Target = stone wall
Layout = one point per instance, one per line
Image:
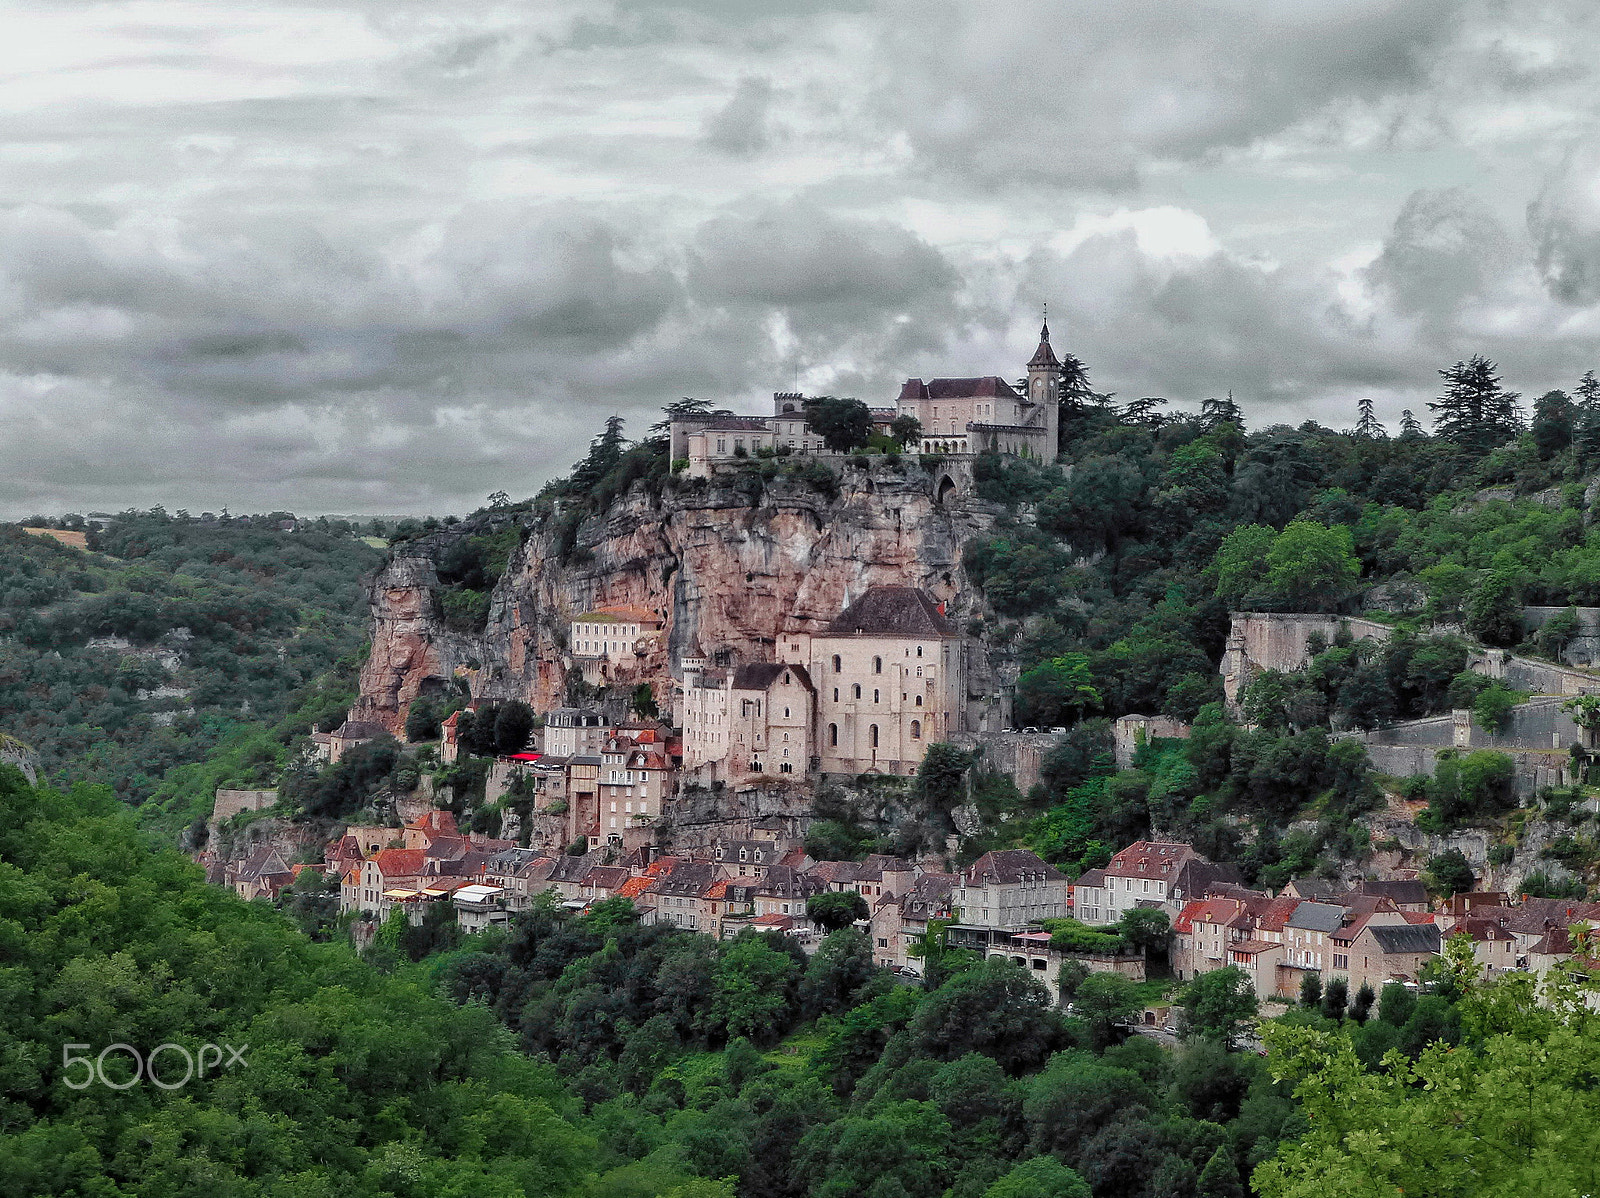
(1260, 641)
(1537, 736)
(1130, 731)
(1583, 649)
(1018, 754)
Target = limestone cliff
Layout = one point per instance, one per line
(728, 563)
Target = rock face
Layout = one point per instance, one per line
(728, 563)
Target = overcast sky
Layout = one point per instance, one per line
(390, 257)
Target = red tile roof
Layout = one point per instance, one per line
(399, 863)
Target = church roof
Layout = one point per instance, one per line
(893, 611)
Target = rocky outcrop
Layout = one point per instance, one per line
(728, 563)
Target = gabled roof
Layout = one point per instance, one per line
(1406, 937)
(1402, 891)
(1317, 917)
(1159, 859)
(633, 887)
(893, 611)
(399, 863)
(760, 675)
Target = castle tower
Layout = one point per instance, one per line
(1044, 387)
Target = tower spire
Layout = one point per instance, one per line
(1044, 355)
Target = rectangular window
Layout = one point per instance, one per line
(1341, 961)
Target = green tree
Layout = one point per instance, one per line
(1335, 998)
(1056, 691)
(1493, 706)
(422, 721)
(1509, 1111)
(1361, 1005)
(644, 702)
(752, 983)
(1312, 567)
(1219, 1004)
(1553, 423)
(1494, 608)
(906, 429)
(1102, 1001)
(513, 724)
(836, 909)
(1146, 929)
(942, 776)
(1039, 1177)
(1475, 412)
(843, 424)
(1240, 564)
(1450, 873)
(1220, 1177)
(996, 1009)
(1311, 991)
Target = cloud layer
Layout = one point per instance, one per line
(389, 258)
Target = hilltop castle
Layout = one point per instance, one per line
(960, 417)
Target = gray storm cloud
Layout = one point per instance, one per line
(383, 258)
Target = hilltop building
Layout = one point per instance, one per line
(959, 416)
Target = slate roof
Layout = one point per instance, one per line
(1411, 892)
(1317, 917)
(1150, 859)
(1093, 877)
(988, 387)
(360, 730)
(1406, 938)
(760, 675)
(1044, 355)
(1003, 866)
(893, 611)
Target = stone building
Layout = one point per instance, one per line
(611, 640)
(570, 731)
(754, 719)
(890, 680)
(1011, 888)
(988, 415)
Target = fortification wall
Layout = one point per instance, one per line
(1128, 732)
(1260, 641)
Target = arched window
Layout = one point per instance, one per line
(836, 663)
(877, 665)
(855, 691)
(916, 729)
(833, 734)
(875, 695)
(919, 700)
(919, 650)
(874, 730)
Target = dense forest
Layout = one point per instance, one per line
(171, 637)
(655, 1063)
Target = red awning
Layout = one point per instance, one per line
(526, 756)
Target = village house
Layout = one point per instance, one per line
(264, 874)
(702, 440)
(1308, 937)
(332, 746)
(1204, 932)
(520, 874)
(901, 920)
(683, 897)
(387, 874)
(1148, 873)
(1389, 952)
(633, 782)
(1494, 948)
(875, 876)
(1011, 888)
(573, 731)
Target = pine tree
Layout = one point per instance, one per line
(1220, 1177)
(1368, 426)
(1143, 411)
(1587, 433)
(1410, 427)
(1220, 411)
(604, 453)
(1475, 412)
